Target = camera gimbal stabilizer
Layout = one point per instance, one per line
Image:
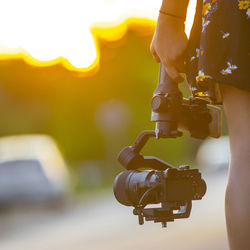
(173, 188)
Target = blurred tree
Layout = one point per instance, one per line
(64, 104)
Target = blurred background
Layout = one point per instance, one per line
(76, 80)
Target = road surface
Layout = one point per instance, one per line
(100, 223)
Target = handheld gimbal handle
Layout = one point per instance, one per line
(165, 104)
(165, 83)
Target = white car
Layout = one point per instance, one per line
(32, 170)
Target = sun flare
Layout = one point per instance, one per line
(46, 32)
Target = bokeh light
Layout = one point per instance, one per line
(46, 32)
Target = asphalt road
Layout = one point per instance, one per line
(100, 223)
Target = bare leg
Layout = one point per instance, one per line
(237, 203)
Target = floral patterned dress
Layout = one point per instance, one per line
(219, 45)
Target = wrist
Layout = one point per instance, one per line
(177, 8)
(172, 15)
(169, 20)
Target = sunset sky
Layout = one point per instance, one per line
(45, 31)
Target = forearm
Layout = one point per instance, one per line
(175, 7)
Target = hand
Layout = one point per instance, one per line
(169, 44)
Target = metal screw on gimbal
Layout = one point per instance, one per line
(140, 219)
(184, 167)
(157, 131)
(164, 224)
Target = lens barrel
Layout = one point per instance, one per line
(129, 186)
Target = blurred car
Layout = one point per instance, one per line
(32, 170)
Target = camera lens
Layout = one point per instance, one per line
(120, 188)
(129, 186)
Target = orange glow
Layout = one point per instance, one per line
(45, 33)
(24, 55)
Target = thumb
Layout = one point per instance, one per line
(173, 73)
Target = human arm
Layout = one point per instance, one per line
(170, 41)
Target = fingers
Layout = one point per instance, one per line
(173, 68)
(180, 66)
(180, 63)
(173, 72)
(154, 54)
(156, 58)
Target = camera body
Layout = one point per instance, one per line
(171, 185)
